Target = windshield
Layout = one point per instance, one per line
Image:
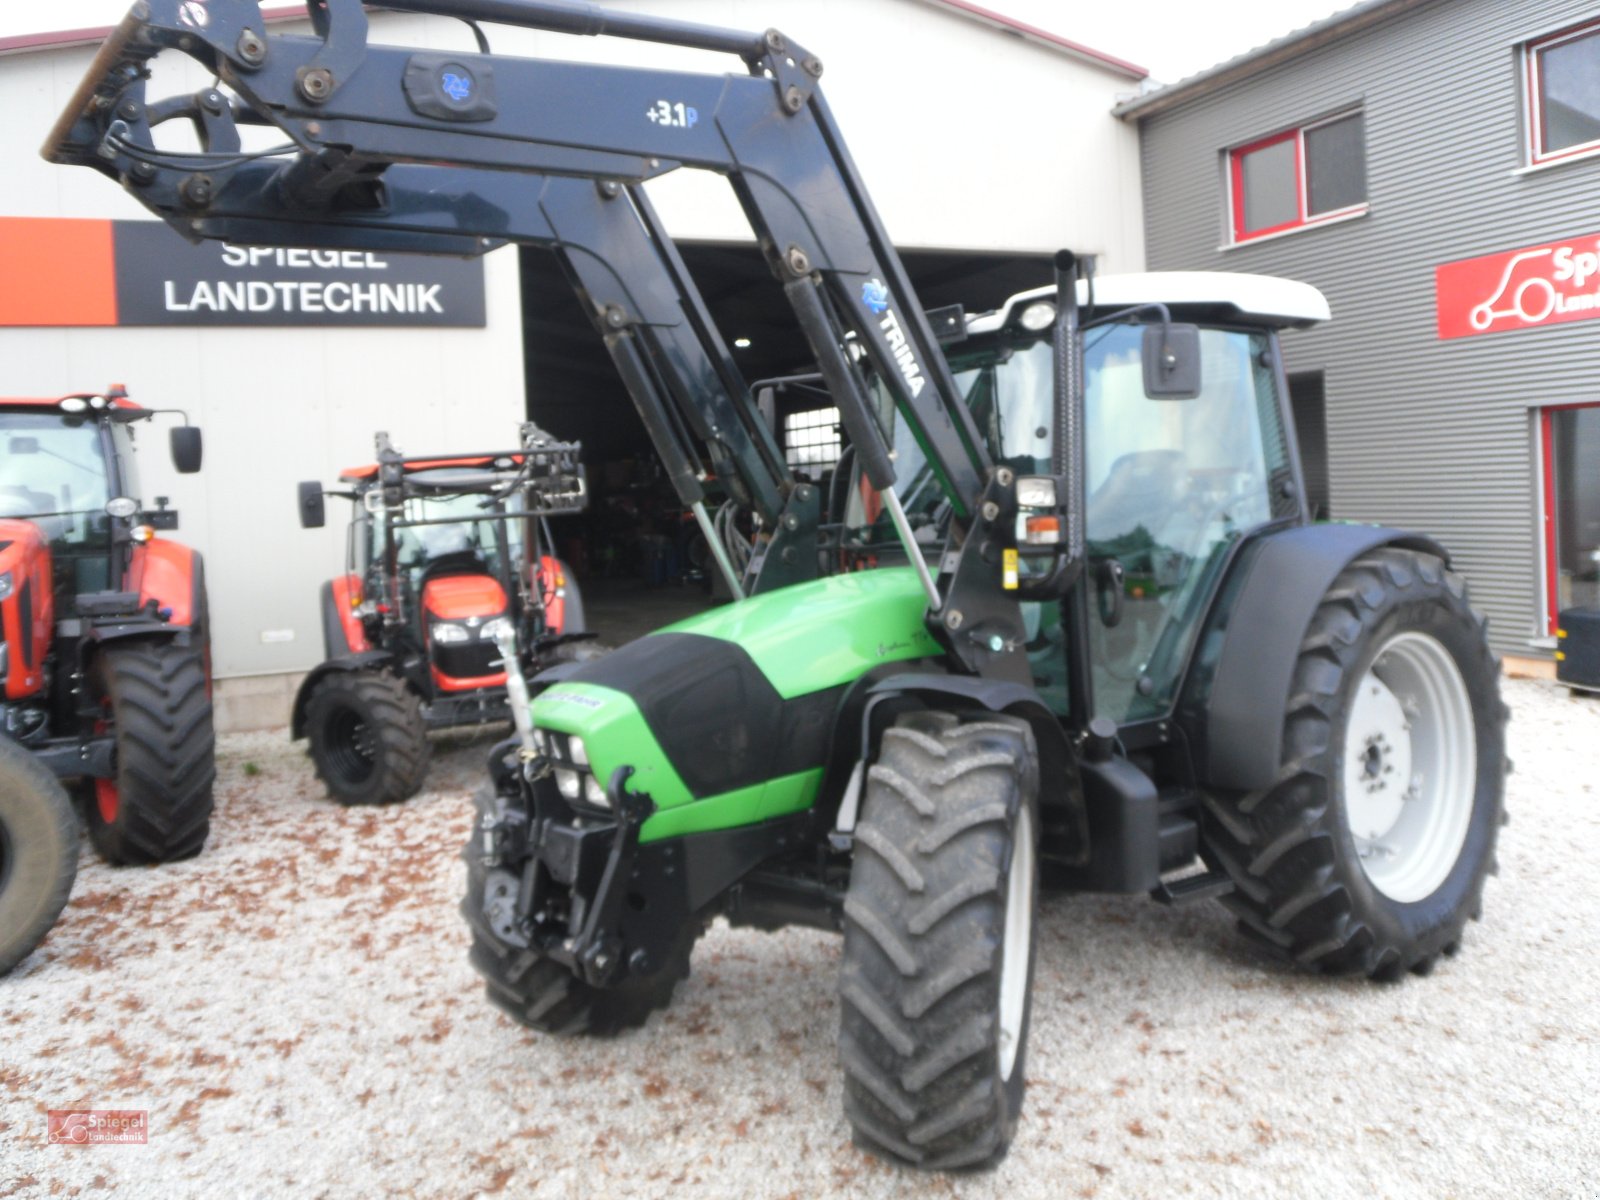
(53, 472)
(1170, 486)
(468, 536)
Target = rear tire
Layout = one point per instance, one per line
(1369, 854)
(369, 743)
(536, 991)
(157, 807)
(38, 852)
(937, 967)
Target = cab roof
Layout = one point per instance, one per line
(1191, 295)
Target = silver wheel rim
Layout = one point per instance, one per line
(1016, 943)
(1410, 767)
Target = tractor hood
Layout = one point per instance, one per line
(726, 718)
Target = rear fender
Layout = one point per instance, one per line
(369, 660)
(1238, 688)
(1061, 807)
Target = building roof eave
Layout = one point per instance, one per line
(1292, 45)
(1041, 37)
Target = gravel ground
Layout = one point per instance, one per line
(296, 1012)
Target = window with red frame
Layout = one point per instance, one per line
(1301, 177)
(1563, 74)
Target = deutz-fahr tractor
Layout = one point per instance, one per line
(445, 555)
(1102, 637)
(103, 654)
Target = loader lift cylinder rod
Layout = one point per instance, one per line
(718, 550)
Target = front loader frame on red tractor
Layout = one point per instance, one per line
(105, 681)
(445, 554)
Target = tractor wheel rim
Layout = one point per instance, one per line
(351, 746)
(1410, 755)
(1016, 944)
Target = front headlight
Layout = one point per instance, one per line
(491, 631)
(568, 782)
(7, 584)
(447, 633)
(579, 752)
(595, 794)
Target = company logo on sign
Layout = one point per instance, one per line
(457, 87)
(1519, 289)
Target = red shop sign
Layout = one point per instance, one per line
(1520, 289)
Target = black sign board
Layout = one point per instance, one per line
(161, 279)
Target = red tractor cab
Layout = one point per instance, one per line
(446, 557)
(104, 662)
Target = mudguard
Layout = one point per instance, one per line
(1060, 788)
(168, 573)
(342, 631)
(365, 661)
(1233, 705)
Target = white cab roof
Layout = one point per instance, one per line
(1254, 299)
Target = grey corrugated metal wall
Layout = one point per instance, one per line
(1430, 434)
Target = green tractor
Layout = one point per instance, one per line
(1101, 643)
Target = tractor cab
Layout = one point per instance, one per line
(68, 469)
(1172, 486)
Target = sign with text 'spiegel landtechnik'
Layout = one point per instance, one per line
(87, 273)
(1520, 289)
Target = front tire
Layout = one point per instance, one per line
(157, 807)
(534, 990)
(937, 968)
(1369, 854)
(369, 743)
(38, 852)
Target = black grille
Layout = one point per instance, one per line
(467, 660)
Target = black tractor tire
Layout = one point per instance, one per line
(1296, 861)
(38, 852)
(945, 852)
(157, 807)
(369, 743)
(535, 990)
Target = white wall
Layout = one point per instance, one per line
(968, 138)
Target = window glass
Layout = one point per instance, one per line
(1171, 485)
(1271, 190)
(54, 472)
(1576, 452)
(811, 440)
(1336, 173)
(1569, 93)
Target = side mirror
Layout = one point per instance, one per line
(1171, 362)
(313, 514)
(186, 448)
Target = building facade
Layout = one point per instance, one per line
(940, 100)
(1432, 166)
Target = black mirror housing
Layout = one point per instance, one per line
(186, 448)
(313, 513)
(1171, 355)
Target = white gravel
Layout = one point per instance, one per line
(295, 1010)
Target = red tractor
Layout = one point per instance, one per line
(104, 656)
(448, 563)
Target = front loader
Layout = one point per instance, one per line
(1102, 637)
(104, 656)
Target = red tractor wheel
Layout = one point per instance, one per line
(157, 806)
